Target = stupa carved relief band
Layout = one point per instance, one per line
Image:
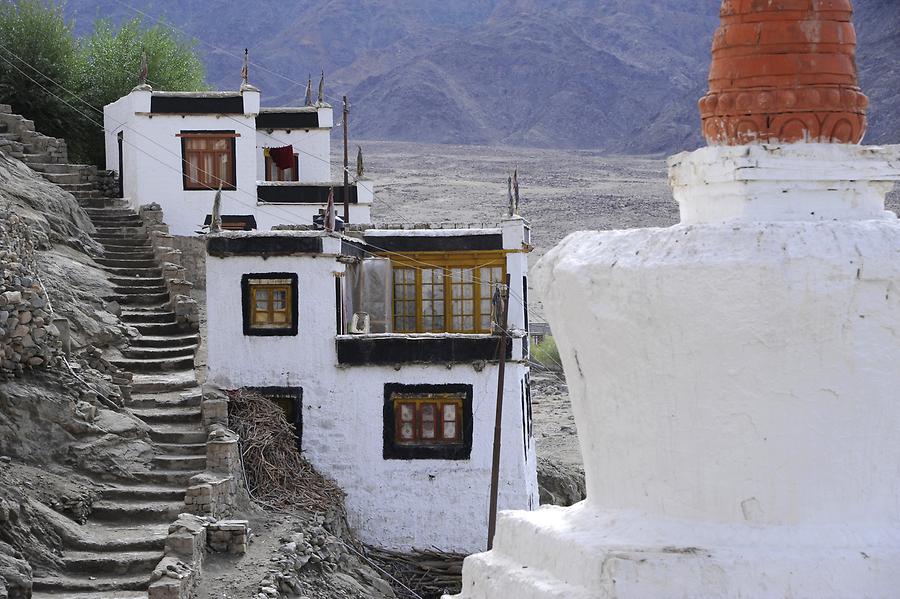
(784, 71)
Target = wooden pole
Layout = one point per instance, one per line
(346, 167)
(498, 420)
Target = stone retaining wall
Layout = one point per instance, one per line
(29, 141)
(28, 337)
(186, 308)
(219, 491)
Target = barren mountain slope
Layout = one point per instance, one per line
(611, 75)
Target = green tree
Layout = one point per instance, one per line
(111, 59)
(39, 52)
(38, 48)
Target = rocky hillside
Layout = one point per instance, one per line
(615, 75)
(58, 414)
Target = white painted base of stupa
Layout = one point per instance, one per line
(736, 385)
(584, 553)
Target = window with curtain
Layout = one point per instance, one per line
(208, 159)
(427, 421)
(273, 173)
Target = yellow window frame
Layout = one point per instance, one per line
(447, 261)
(270, 311)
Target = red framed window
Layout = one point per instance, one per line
(208, 159)
(428, 419)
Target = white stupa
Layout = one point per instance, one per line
(735, 378)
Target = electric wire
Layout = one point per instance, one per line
(258, 201)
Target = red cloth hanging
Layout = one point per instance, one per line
(282, 157)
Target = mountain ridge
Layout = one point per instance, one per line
(619, 76)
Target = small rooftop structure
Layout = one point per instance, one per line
(177, 148)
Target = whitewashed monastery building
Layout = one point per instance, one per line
(380, 343)
(399, 413)
(176, 148)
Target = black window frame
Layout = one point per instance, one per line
(252, 331)
(457, 451)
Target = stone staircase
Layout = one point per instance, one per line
(125, 536)
(127, 529)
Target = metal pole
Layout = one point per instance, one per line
(346, 167)
(498, 421)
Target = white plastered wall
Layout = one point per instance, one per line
(312, 146)
(391, 503)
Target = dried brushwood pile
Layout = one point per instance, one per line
(276, 473)
(430, 574)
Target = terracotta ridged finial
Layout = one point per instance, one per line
(784, 71)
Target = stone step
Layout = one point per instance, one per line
(151, 353)
(69, 584)
(39, 157)
(143, 291)
(107, 222)
(111, 564)
(138, 254)
(66, 594)
(164, 307)
(102, 203)
(128, 249)
(183, 449)
(145, 299)
(13, 148)
(174, 399)
(119, 263)
(147, 316)
(180, 462)
(99, 216)
(86, 195)
(158, 329)
(145, 493)
(138, 232)
(111, 212)
(171, 477)
(160, 341)
(151, 365)
(138, 281)
(181, 435)
(131, 511)
(103, 538)
(51, 167)
(76, 186)
(134, 272)
(170, 381)
(59, 178)
(151, 416)
(122, 242)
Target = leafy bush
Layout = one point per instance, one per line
(38, 48)
(546, 354)
(83, 75)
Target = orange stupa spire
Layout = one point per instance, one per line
(784, 71)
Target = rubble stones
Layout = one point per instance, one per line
(26, 340)
(228, 536)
